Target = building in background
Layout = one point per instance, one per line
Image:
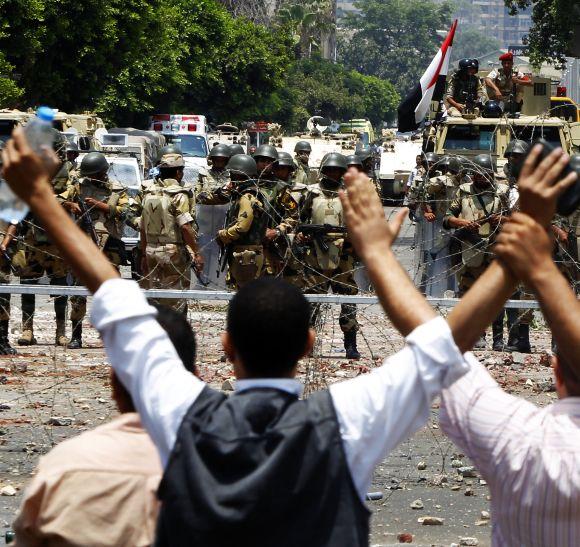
(492, 18)
(343, 7)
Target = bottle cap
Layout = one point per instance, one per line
(45, 113)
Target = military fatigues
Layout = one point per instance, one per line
(5, 272)
(35, 257)
(504, 83)
(471, 203)
(333, 268)
(166, 209)
(107, 226)
(273, 258)
(302, 172)
(566, 255)
(459, 88)
(246, 225)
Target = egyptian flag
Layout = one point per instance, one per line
(415, 107)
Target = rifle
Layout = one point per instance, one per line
(317, 231)
(86, 222)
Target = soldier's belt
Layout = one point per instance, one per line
(162, 241)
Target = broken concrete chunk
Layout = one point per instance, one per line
(430, 521)
(417, 504)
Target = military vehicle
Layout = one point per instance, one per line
(476, 133)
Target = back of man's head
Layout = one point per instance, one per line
(568, 375)
(268, 323)
(183, 339)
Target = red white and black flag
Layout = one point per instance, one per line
(431, 87)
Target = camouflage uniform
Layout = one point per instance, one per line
(566, 255)
(272, 190)
(107, 227)
(335, 268)
(166, 209)
(5, 272)
(247, 221)
(302, 172)
(211, 180)
(458, 88)
(504, 83)
(471, 203)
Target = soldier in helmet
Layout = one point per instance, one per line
(37, 256)
(217, 176)
(7, 235)
(476, 213)
(235, 149)
(506, 84)
(246, 223)
(167, 227)
(415, 198)
(72, 154)
(100, 206)
(278, 238)
(464, 87)
(354, 161)
(329, 260)
(367, 156)
(302, 152)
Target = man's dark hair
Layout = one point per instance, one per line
(180, 333)
(569, 375)
(268, 321)
(169, 172)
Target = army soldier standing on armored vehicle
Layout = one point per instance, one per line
(476, 213)
(464, 88)
(329, 259)
(100, 206)
(246, 223)
(302, 152)
(167, 226)
(37, 256)
(506, 84)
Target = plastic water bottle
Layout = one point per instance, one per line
(40, 136)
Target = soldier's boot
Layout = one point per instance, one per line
(60, 338)
(497, 334)
(27, 335)
(523, 345)
(76, 340)
(5, 347)
(350, 345)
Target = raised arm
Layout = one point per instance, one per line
(30, 180)
(372, 237)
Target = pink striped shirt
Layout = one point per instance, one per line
(529, 456)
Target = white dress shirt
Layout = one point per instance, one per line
(375, 411)
(529, 456)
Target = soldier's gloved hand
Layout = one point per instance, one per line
(540, 185)
(368, 230)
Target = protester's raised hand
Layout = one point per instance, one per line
(368, 229)
(26, 173)
(540, 186)
(525, 246)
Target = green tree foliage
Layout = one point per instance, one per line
(319, 87)
(123, 57)
(394, 39)
(470, 42)
(9, 90)
(552, 27)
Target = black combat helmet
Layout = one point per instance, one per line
(474, 63)
(169, 149)
(453, 164)
(492, 109)
(266, 151)
(431, 158)
(242, 164)
(353, 160)
(94, 163)
(220, 151)
(302, 146)
(516, 146)
(285, 160)
(464, 64)
(483, 163)
(72, 147)
(236, 149)
(334, 159)
(59, 143)
(364, 153)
